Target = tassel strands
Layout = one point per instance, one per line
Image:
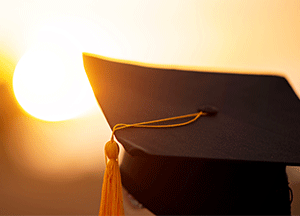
(112, 197)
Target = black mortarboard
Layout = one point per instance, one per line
(216, 164)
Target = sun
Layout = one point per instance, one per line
(49, 80)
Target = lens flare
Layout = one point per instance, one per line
(49, 80)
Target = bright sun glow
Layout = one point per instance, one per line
(49, 80)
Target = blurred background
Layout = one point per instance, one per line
(52, 132)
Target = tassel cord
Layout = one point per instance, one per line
(148, 123)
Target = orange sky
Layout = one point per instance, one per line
(252, 35)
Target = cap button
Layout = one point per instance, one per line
(210, 110)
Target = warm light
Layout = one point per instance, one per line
(49, 80)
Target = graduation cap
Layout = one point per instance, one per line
(230, 161)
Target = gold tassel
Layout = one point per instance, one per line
(112, 197)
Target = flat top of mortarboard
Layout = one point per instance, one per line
(258, 116)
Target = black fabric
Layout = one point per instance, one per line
(232, 162)
(258, 116)
(181, 186)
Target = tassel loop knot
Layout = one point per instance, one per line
(111, 150)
